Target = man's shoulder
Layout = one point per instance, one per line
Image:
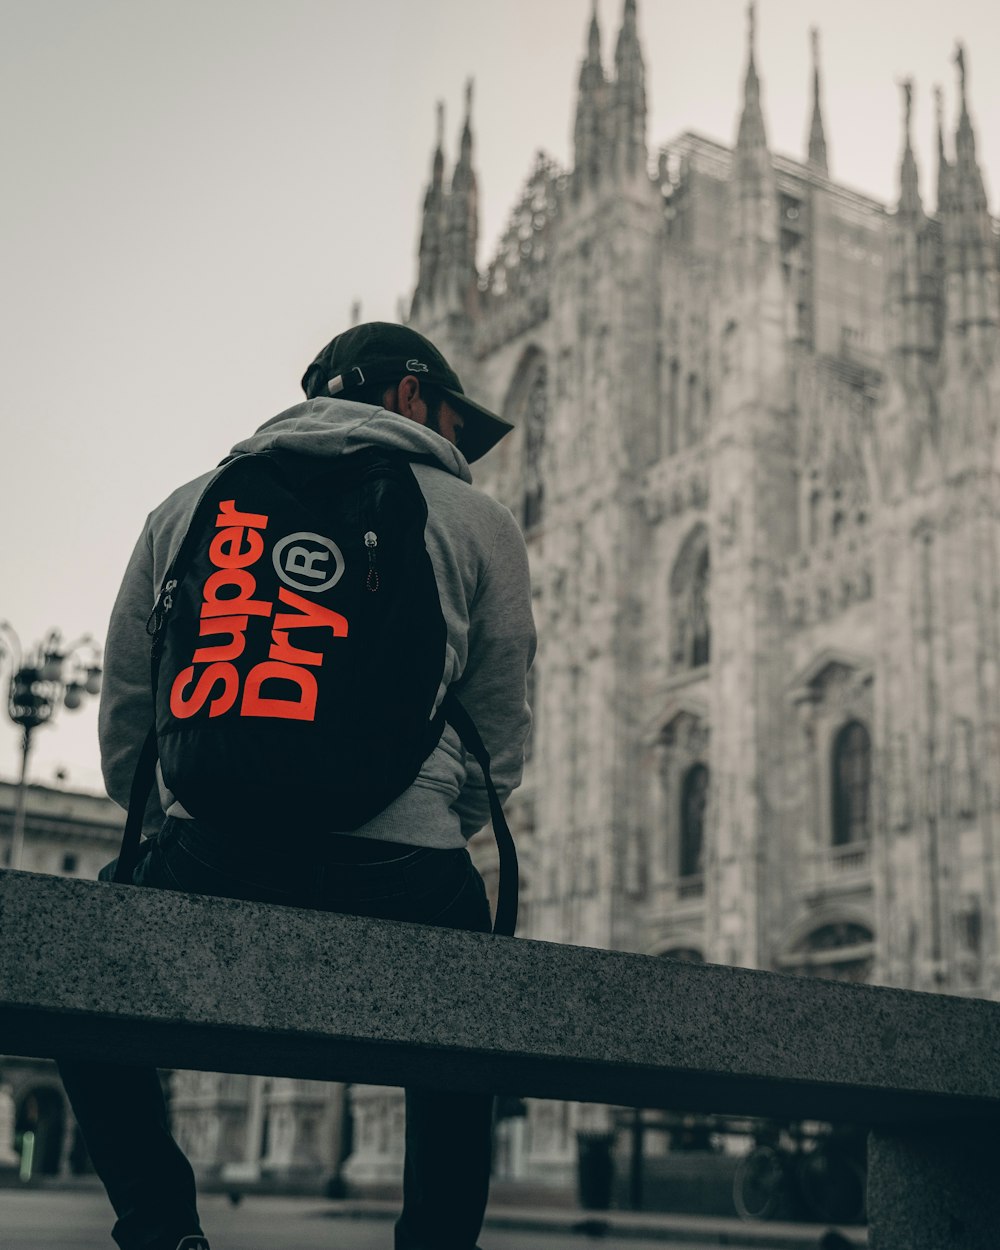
(181, 501)
(450, 500)
(438, 484)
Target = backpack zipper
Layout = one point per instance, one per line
(371, 542)
(164, 602)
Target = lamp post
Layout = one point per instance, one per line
(55, 674)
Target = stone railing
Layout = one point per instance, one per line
(187, 981)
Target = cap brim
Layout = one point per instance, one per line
(482, 429)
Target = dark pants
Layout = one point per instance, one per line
(121, 1110)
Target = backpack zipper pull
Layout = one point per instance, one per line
(371, 542)
(164, 602)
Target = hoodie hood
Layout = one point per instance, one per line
(338, 427)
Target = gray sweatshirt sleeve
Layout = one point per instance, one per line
(126, 709)
(493, 686)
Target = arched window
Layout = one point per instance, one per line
(683, 955)
(840, 950)
(851, 785)
(694, 800)
(700, 630)
(534, 446)
(691, 411)
(690, 620)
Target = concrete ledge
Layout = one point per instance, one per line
(102, 971)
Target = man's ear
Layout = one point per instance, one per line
(408, 400)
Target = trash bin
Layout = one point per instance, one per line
(595, 1169)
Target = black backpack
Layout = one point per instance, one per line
(298, 647)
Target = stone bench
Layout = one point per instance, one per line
(91, 969)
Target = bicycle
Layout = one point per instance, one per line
(795, 1173)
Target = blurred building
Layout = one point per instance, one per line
(70, 834)
(301, 1126)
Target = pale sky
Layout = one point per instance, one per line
(195, 192)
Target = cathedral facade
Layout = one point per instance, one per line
(756, 464)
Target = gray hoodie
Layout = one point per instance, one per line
(481, 567)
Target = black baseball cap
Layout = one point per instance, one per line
(381, 351)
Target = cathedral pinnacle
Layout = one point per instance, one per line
(751, 132)
(909, 190)
(466, 152)
(754, 222)
(960, 62)
(751, 41)
(629, 96)
(432, 226)
(594, 38)
(817, 139)
(965, 139)
(943, 166)
(968, 226)
(590, 130)
(437, 175)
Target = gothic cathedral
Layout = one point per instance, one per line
(756, 465)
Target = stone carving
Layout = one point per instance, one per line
(699, 491)
(729, 520)
(515, 286)
(636, 865)
(962, 788)
(898, 784)
(990, 756)
(785, 784)
(687, 736)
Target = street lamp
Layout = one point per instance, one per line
(54, 674)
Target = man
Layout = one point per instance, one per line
(383, 386)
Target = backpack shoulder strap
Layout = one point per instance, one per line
(142, 784)
(506, 918)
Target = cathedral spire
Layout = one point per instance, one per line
(965, 135)
(913, 278)
(752, 134)
(943, 165)
(437, 176)
(753, 194)
(973, 228)
(463, 223)
(909, 189)
(465, 153)
(817, 138)
(629, 96)
(594, 37)
(589, 131)
(432, 225)
(970, 255)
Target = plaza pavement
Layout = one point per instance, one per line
(80, 1218)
